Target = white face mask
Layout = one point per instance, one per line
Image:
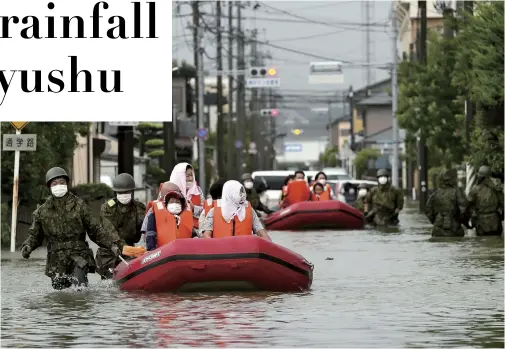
(362, 192)
(174, 208)
(59, 190)
(383, 180)
(189, 184)
(322, 181)
(124, 198)
(248, 185)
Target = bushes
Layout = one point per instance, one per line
(363, 158)
(93, 192)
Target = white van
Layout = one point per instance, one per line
(275, 182)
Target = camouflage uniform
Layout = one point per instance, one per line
(486, 202)
(253, 197)
(359, 204)
(447, 207)
(64, 223)
(118, 219)
(383, 201)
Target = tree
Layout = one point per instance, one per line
(329, 157)
(56, 142)
(362, 159)
(151, 142)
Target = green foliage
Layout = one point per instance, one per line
(362, 159)
(151, 139)
(56, 142)
(154, 143)
(93, 191)
(329, 157)
(156, 153)
(487, 146)
(150, 126)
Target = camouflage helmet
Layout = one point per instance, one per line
(123, 182)
(484, 172)
(382, 173)
(362, 186)
(246, 176)
(54, 173)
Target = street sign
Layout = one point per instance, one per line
(238, 144)
(266, 82)
(203, 133)
(19, 125)
(292, 148)
(19, 142)
(124, 123)
(326, 73)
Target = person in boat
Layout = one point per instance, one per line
(215, 191)
(297, 191)
(287, 180)
(319, 193)
(359, 204)
(164, 189)
(183, 175)
(170, 219)
(384, 202)
(63, 220)
(486, 204)
(447, 207)
(122, 215)
(322, 178)
(252, 195)
(233, 215)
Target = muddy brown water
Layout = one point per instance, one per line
(371, 288)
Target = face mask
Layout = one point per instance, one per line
(322, 181)
(189, 184)
(174, 208)
(124, 198)
(383, 180)
(248, 185)
(362, 192)
(59, 190)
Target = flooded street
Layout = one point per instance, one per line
(371, 289)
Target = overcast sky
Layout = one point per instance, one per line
(333, 30)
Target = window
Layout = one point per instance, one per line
(273, 182)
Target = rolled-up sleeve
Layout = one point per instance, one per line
(208, 223)
(256, 223)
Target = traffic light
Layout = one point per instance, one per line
(269, 112)
(262, 72)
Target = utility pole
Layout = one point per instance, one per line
(220, 117)
(196, 24)
(330, 132)
(200, 75)
(240, 125)
(125, 149)
(394, 89)
(423, 150)
(169, 144)
(351, 117)
(231, 144)
(254, 121)
(469, 108)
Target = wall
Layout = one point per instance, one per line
(80, 162)
(378, 118)
(344, 129)
(310, 152)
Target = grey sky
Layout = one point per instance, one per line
(293, 25)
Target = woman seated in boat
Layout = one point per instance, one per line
(297, 191)
(164, 189)
(287, 180)
(233, 215)
(184, 176)
(216, 191)
(169, 219)
(322, 178)
(319, 193)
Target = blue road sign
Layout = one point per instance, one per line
(292, 148)
(203, 133)
(238, 144)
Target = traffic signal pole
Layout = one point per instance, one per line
(201, 76)
(240, 125)
(423, 149)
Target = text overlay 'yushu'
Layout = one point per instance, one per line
(86, 60)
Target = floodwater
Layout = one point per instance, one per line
(396, 288)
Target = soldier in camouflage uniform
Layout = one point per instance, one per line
(447, 207)
(252, 196)
(384, 202)
(359, 204)
(63, 220)
(122, 215)
(486, 204)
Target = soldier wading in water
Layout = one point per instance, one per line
(121, 216)
(385, 202)
(63, 220)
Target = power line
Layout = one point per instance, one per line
(297, 38)
(336, 3)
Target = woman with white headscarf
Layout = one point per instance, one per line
(233, 215)
(183, 175)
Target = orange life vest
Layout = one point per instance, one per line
(298, 191)
(166, 224)
(223, 229)
(325, 195)
(207, 205)
(195, 200)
